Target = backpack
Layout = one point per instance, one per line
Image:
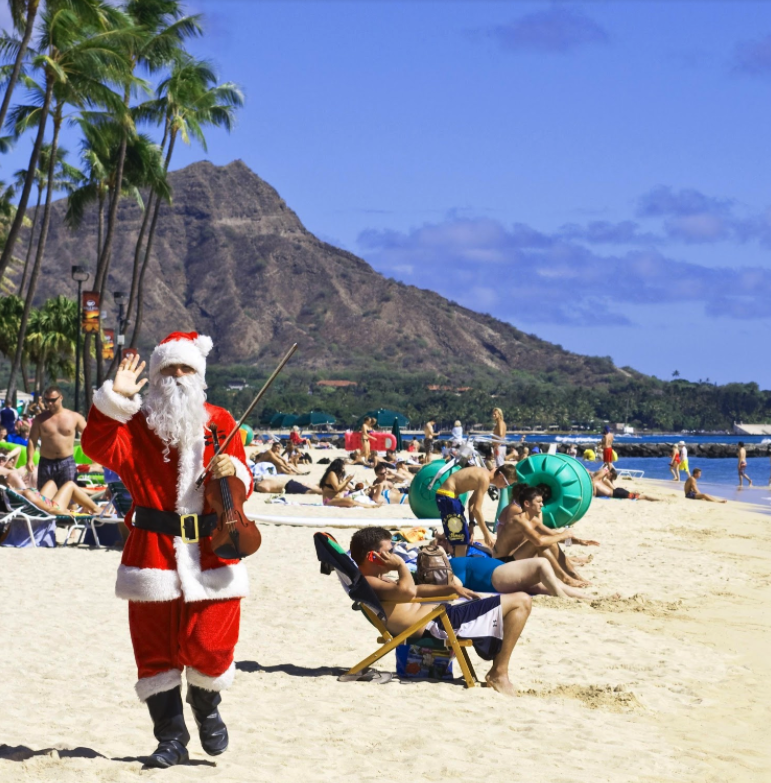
(433, 566)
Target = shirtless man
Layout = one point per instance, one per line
(499, 437)
(457, 529)
(494, 624)
(522, 534)
(742, 455)
(428, 439)
(55, 429)
(273, 456)
(606, 445)
(602, 482)
(277, 484)
(692, 489)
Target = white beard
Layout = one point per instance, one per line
(175, 411)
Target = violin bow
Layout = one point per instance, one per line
(260, 395)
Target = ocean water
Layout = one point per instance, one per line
(719, 476)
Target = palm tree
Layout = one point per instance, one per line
(51, 337)
(23, 13)
(11, 309)
(71, 32)
(188, 100)
(83, 56)
(7, 215)
(65, 177)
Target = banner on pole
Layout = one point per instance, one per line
(90, 304)
(108, 344)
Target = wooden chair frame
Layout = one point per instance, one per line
(389, 642)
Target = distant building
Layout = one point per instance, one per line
(433, 387)
(237, 385)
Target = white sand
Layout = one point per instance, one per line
(669, 683)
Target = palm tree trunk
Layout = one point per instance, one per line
(31, 241)
(150, 237)
(39, 371)
(100, 226)
(32, 6)
(38, 258)
(24, 379)
(13, 234)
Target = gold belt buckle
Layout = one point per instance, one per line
(182, 519)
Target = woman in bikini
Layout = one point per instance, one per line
(334, 487)
(58, 501)
(366, 428)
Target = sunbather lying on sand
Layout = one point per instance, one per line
(522, 535)
(494, 624)
(602, 481)
(278, 484)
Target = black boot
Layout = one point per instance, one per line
(211, 728)
(169, 729)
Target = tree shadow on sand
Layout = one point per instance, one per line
(23, 753)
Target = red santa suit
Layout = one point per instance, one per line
(184, 600)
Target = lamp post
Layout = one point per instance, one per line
(120, 299)
(80, 274)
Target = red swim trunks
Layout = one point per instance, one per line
(607, 454)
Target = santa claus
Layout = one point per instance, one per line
(184, 600)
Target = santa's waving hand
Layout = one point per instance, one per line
(184, 600)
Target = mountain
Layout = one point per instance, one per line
(232, 260)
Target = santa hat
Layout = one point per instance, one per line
(188, 348)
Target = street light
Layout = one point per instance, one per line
(80, 274)
(120, 298)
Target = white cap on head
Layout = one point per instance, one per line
(188, 348)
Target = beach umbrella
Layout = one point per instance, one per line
(397, 433)
(314, 419)
(384, 418)
(282, 420)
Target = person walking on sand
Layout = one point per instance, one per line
(499, 437)
(606, 446)
(366, 428)
(428, 438)
(742, 457)
(683, 454)
(674, 463)
(55, 428)
(184, 600)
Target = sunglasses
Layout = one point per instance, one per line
(49, 400)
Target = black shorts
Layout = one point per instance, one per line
(60, 471)
(293, 487)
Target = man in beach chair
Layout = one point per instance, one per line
(493, 624)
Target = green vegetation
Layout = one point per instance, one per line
(528, 400)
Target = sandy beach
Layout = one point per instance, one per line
(668, 682)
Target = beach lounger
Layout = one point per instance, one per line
(629, 473)
(114, 513)
(25, 512)
(334, 558)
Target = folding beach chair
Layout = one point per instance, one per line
(334, 558)
(114, 513)
(23, 511)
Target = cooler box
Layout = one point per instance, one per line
(421, 661)
(378, 441)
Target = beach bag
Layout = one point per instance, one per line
(433, 567)
(423, 662)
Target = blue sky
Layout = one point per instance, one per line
(592, 172)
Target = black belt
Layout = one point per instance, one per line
(190, 527)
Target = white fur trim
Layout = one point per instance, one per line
(190, 499)
(225, 680)
(231, 581)
(115, 405)
(190, 352)
(165, 681)
(147, 584)
(243, 473)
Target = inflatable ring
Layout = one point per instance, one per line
(247, 434)
(80, 456)
(589, 455)
(422, 499)
(569, 484)
(21, 462)
(615, 456)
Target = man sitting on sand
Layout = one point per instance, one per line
(522, 535)
(692, 489)
(273, 456)
(459, 531)
(493, 624)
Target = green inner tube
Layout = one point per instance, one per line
(569, 487)
(422, 499)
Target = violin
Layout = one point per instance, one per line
(236, 536)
